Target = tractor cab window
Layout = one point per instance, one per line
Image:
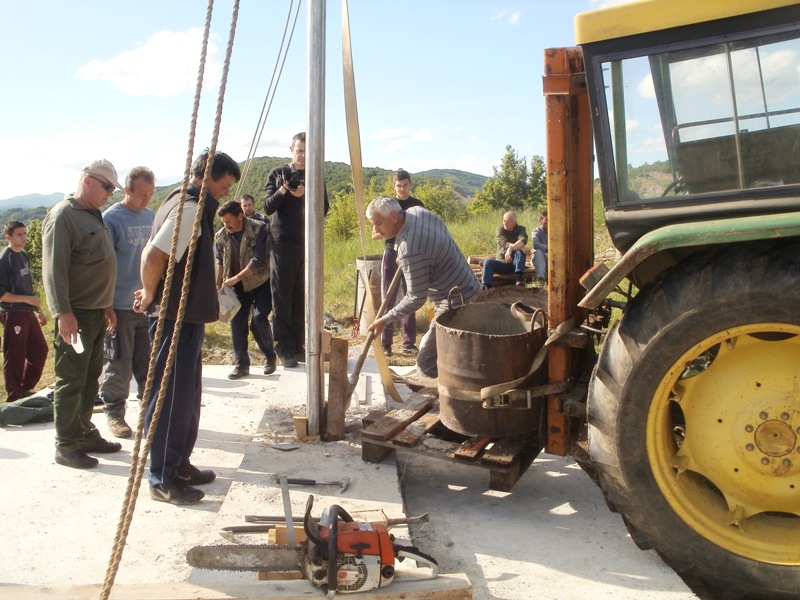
(706, 120)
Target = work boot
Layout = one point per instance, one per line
(239, 372)
(99, 445)
(119, 428)
(77, 460)
(176, 492)
(271, 365)
(191, 475)
(289, 362)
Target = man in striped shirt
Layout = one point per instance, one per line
(432, 265)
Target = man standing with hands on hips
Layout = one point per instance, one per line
(79, 270)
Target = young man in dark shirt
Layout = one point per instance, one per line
(19, 309)
(402, 192)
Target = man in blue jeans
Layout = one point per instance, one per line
(172, 475)
(511, 251)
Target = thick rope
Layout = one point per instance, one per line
(277, 71)
(138, 461)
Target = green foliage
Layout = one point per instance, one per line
(34, 250)
(513, 186)
(440, 198)
(342, 221)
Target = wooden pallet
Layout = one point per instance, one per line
(420, 431)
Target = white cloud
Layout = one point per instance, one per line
(165, 66)
(512, 18)
(400, 139)
(646, 88)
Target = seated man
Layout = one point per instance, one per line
(540, 247)
(511, 251)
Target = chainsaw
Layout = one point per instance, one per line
(340, 554)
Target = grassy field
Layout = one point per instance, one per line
(474, 236)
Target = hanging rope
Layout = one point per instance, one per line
(262, 119)
(139, 459)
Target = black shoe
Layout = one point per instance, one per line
(412, 351)
(191, 475)
(77, 460)
(289, 362)
(98, 401)
(176, 492)
(387, 351)
(301, 356)
(239, 372)
(99, 445)
(271, 365)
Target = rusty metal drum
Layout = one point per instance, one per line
(481, 345)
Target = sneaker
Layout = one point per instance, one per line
(77, 460)
(100, 446)
(119, 428)
(176, 492)
(239, 372)
(289, 362)
(191, 475)
(301, 356)
(271, 365)
(412, 351)
(520, 283)
(98, 401)
(387, 351)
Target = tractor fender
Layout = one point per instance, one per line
(688, 235)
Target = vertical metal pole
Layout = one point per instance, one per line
(315, 214)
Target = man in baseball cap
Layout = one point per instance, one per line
(103, 168)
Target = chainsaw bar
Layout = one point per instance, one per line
(242, 557)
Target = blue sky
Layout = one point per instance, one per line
(440, 84)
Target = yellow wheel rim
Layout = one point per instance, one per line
(723, 440)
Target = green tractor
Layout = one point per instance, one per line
(693, 403)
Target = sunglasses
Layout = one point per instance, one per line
(109, 187)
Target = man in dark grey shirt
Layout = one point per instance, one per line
(19, 308)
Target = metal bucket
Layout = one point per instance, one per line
(480, 345)
(368, 268)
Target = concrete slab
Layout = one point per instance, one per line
(552, 537)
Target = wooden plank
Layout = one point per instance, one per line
(411, 435)
(394, 421)
(338, 399)
(504, 451)
(472, 447)
(451, 586)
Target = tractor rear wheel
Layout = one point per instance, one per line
(694, 421)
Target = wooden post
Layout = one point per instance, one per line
(337, 391)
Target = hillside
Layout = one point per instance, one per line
(337, 178)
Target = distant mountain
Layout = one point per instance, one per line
(31, 201)
(337, 177)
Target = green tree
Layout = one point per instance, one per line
(34, 250)
(441, 199)
(537, 182)
(512, 186)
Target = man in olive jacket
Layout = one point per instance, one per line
(79, 271)
(243, 264)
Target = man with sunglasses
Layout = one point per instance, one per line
(79, 271)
